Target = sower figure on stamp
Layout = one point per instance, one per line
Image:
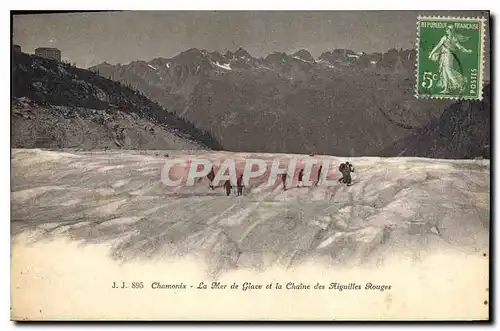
(346, 169)
(445, 53)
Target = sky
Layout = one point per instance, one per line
(88, 39)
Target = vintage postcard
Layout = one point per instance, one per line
(250, 165)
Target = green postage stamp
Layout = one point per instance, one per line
(450, 57)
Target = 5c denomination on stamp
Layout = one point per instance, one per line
(450, 57)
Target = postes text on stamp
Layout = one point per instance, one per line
(450, 57)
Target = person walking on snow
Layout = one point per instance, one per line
(346, 169)
(319, 175)
(228, 187)
(301, 174)
(239, 185)
(283, 179)
(211, 176)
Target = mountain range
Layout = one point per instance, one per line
(342, 103)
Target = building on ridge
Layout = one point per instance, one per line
(48, 53)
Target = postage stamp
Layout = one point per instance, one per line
(450, 57)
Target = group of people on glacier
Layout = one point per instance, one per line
(345, 169)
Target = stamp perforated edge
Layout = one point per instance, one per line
(482, 60)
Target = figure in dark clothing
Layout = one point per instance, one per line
(283, 179)
(211, 176)
(301, 175)
(228, 187)
(240, 185)
(319, 175)
(346, 169)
